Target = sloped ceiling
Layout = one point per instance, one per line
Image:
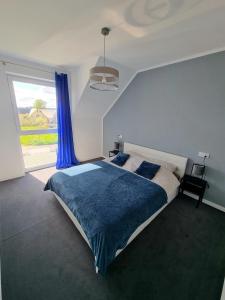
(144, 32)
(89, 107)
(94, 103)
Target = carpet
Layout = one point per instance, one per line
(180, 255)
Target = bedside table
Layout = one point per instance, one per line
(194, 185)
(113, 153)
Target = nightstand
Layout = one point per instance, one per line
(113, 153)
(194, 185)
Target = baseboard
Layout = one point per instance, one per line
(207, 202)
(9, 178)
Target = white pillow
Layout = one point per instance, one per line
(133, 163)
(167, 165)
(167, 180)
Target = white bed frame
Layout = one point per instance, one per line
(179, 161)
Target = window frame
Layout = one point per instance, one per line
(20, 132)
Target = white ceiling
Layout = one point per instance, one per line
(144, 33)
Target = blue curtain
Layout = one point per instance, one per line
(65, 155)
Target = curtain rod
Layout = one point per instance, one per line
(4, 62)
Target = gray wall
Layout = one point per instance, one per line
(179, 109)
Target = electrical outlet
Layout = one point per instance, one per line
(203, 154)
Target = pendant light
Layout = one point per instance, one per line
(104, 78)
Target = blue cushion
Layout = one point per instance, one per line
(147, 169)
(120, 159)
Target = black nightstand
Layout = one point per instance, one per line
(113, 153)
(194, 185)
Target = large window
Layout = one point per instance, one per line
(37, 121)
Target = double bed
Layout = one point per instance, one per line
(110, 205)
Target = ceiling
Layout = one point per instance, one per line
(144, 33)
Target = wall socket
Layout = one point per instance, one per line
(203, 154)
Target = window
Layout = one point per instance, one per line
(37, 121)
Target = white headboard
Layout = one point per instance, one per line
(179, 161)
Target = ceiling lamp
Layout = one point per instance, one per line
(104, 78)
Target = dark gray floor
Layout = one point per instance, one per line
(180, 255)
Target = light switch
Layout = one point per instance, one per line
(203, 154)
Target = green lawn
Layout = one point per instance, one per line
(33, 127)
(39, 139)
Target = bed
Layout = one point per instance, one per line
(111, 205)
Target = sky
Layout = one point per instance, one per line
(27, 93)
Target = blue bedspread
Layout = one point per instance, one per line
(109, 203)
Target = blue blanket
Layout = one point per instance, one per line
(108, 202)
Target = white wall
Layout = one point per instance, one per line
(89, 106)
(11, 163)
(87, 132)
(87, 110)
(11, 160)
